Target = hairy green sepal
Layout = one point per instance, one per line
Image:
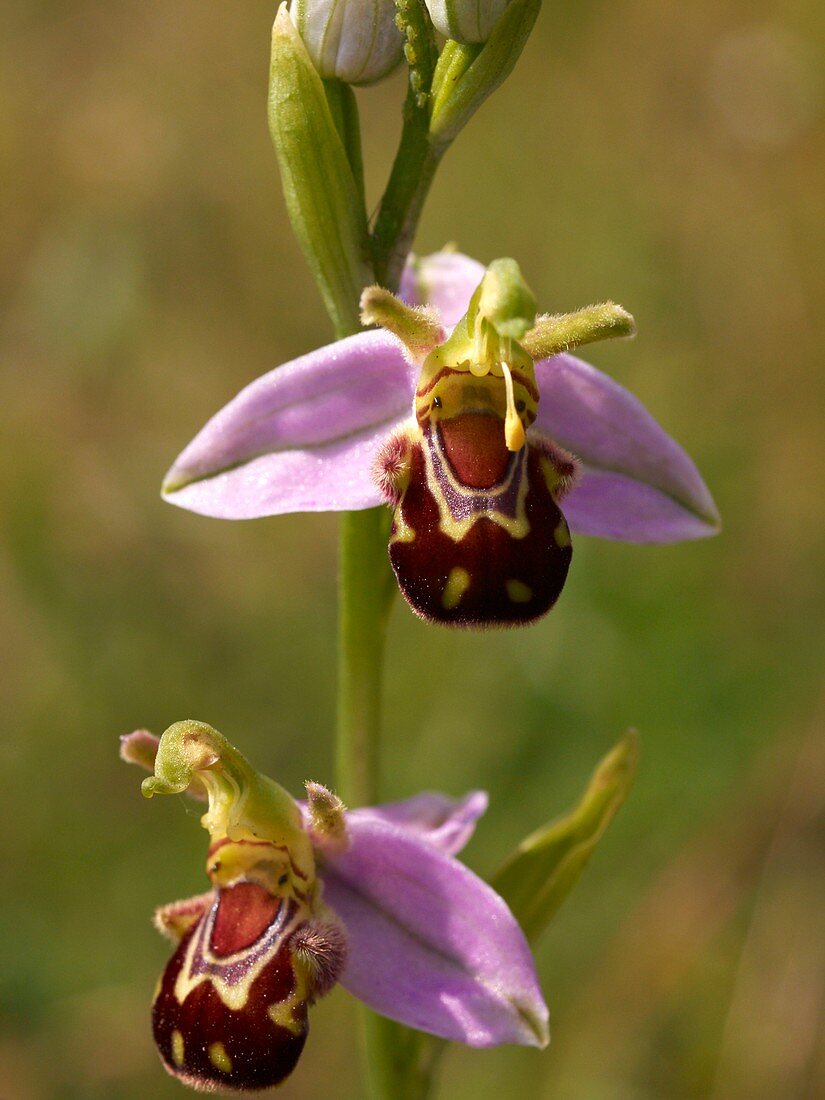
(565, 331)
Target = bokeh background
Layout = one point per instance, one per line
(667, 155)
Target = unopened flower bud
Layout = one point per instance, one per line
(356, 41)
(465, 20)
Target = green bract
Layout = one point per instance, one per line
(546, 866)
(467, 74)
(322, 196)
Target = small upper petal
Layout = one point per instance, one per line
(448, 823)
(139, 747)
(637, 483)
(431, 945)
(300, 438)
(446, 280)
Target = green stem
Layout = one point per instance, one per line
(402, 1062)
(366, 588)
(365, 591)
(397, 1061)
(412, 174)
(417, 158)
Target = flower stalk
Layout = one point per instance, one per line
(417, 158)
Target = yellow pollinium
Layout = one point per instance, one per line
(514, 434)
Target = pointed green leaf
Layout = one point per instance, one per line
(545, 867)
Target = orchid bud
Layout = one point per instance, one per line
(466, 20)
(356, 41)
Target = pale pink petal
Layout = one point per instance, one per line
(139, 747)
(334, 477)
(302, 437)
(613, 506)
(431, 945)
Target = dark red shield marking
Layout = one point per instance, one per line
(230, 1012)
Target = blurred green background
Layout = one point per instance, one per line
(666, 155)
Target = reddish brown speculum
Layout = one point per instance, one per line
(474, 445)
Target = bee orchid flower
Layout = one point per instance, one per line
(307, 895)
(466, 414)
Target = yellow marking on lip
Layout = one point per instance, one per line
(282, 1014)
(457, 584)
(177, 1048)
(403, 532)
(562, 534)
(219, 1058)
(518, 591)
